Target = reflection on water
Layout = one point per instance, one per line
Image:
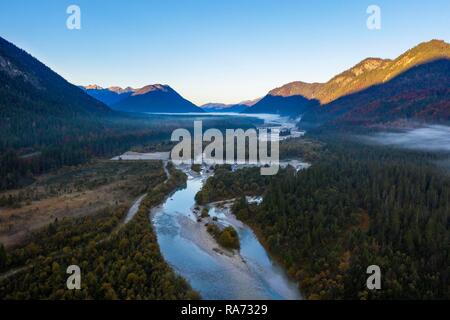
(214, 275)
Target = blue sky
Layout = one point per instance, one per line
(216, 51)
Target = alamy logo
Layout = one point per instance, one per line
(74, 280)
(374, 280)
(374, 19)
(235, 140)
(73, 22)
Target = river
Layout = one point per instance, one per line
(214, 273)
(193, 253)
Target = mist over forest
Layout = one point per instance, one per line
(431, 138)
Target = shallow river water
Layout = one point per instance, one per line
(188, 248)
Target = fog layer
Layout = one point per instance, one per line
(432, 138)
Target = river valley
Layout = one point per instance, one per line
(193, 253)
(215, 273)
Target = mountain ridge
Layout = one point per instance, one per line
(323, 102)
(368, 72)
(422, 93)
(286, 106)
(38, 106)
(149, 98)
(25, 79)
(156, 98)
(223, 107)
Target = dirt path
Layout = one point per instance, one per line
(166, 171)
(130, 214)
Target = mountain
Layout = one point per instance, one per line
(298, 88)
(151, 98)
(286, 106)
(120, 90)
(36, 103)
(238, 107)
(28, 85)
(155, 98)
(421, 94)
(108, 96)
(299, 97)
(221, 107)
(250, 103)
(368, 72)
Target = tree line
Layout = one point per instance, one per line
(356, 206)
(117, 261)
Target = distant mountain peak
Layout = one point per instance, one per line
(214, 105)
(368, 64)
(307, 90)
(250, 103)
(93, 87)
(120, 90)
(151, 88)
(153, 98)
(222, 107)
(150, 98)
(420, 54)
(434, 43)
(219, 105)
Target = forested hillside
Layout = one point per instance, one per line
(286, 106)
(37, 106)
(46, 122)
(414, 87)
(420, 94)
(367, 73)
(355, 207)
(117, 261)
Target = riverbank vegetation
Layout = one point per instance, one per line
(117, 261)
(225, 184)
(306, 149)
(226, 237)
(356, 206)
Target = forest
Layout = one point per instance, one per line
(30, 151)
(117, 260)
(356, 206)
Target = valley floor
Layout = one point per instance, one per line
(72, 192)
